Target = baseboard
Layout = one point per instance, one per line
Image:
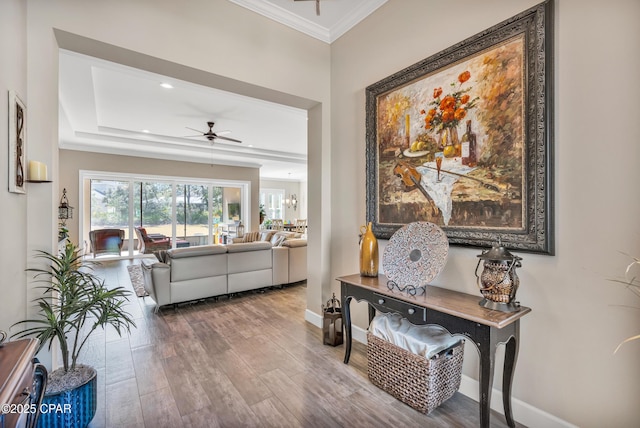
(523, 413)
(359, 334)
(313, 318)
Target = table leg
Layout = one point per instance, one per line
(346, 311)
(487, 359)
(510, 357)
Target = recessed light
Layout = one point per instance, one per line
(250, 145)
(146, 131)
(166, 85)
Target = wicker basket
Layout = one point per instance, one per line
(421, 383)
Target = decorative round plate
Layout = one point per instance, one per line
(415, 254)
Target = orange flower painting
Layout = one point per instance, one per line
(484, 93)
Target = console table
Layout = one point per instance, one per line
(459, 313)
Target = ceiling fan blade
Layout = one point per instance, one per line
(228, 139)
(192, 136)
(197, 130)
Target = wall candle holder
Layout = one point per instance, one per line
(37, 172)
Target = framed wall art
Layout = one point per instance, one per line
(17, 144)
(463, 139)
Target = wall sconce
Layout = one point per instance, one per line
(292, 201)
(65, 211)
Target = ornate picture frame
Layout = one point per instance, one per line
(17, 144)
(463, 139)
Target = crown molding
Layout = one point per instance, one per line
(290, 19)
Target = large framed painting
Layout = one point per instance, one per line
(17, 144)
(463, 139)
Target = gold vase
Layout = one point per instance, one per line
(368, 252)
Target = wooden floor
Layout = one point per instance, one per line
(250, 361)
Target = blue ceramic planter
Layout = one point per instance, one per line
(70, 409)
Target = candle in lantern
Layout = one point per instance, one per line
(37, 171)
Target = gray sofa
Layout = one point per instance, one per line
(213, 270)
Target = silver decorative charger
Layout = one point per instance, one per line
(415, 254)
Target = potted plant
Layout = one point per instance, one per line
(74, 304)
(263, 213)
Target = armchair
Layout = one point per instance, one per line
(148, 244)
(106, 241)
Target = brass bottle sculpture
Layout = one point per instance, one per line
(368, 252)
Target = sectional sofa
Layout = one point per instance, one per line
(194, 273)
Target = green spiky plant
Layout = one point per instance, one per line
(74, 304)
(632, 284)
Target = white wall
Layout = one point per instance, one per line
(13, 246)
(566, 363)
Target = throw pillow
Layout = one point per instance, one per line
(250, 237)
(267, 235)
(277, 240)
(162, 256)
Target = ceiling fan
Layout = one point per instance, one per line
(210, 135)
(317, 5)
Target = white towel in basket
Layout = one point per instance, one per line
(425, 340)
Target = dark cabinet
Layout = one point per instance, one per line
(22, 384)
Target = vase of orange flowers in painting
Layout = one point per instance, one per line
(446, 112)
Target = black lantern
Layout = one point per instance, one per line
(332, 322)
(499, 281)
(65, 211)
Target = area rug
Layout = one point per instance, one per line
(135, 273)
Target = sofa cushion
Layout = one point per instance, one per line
(201, 250)
(248, 246)
(295, 243)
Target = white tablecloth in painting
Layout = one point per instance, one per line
(440, 191)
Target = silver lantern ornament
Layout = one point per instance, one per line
(499, 281)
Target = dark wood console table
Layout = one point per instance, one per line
(22, 384)
(459, 313)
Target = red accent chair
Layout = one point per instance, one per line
(148, 244)
(106, 241)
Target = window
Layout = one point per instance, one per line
(273, 202)
(185, 210)
(109, 205)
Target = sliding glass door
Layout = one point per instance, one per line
(182, 213)
(110, 205)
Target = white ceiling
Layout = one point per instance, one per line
(107, 108)
(111, 108)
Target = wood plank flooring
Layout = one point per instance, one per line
(249, 361)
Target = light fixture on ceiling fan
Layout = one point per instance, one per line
(210, 135)
(317, 5)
